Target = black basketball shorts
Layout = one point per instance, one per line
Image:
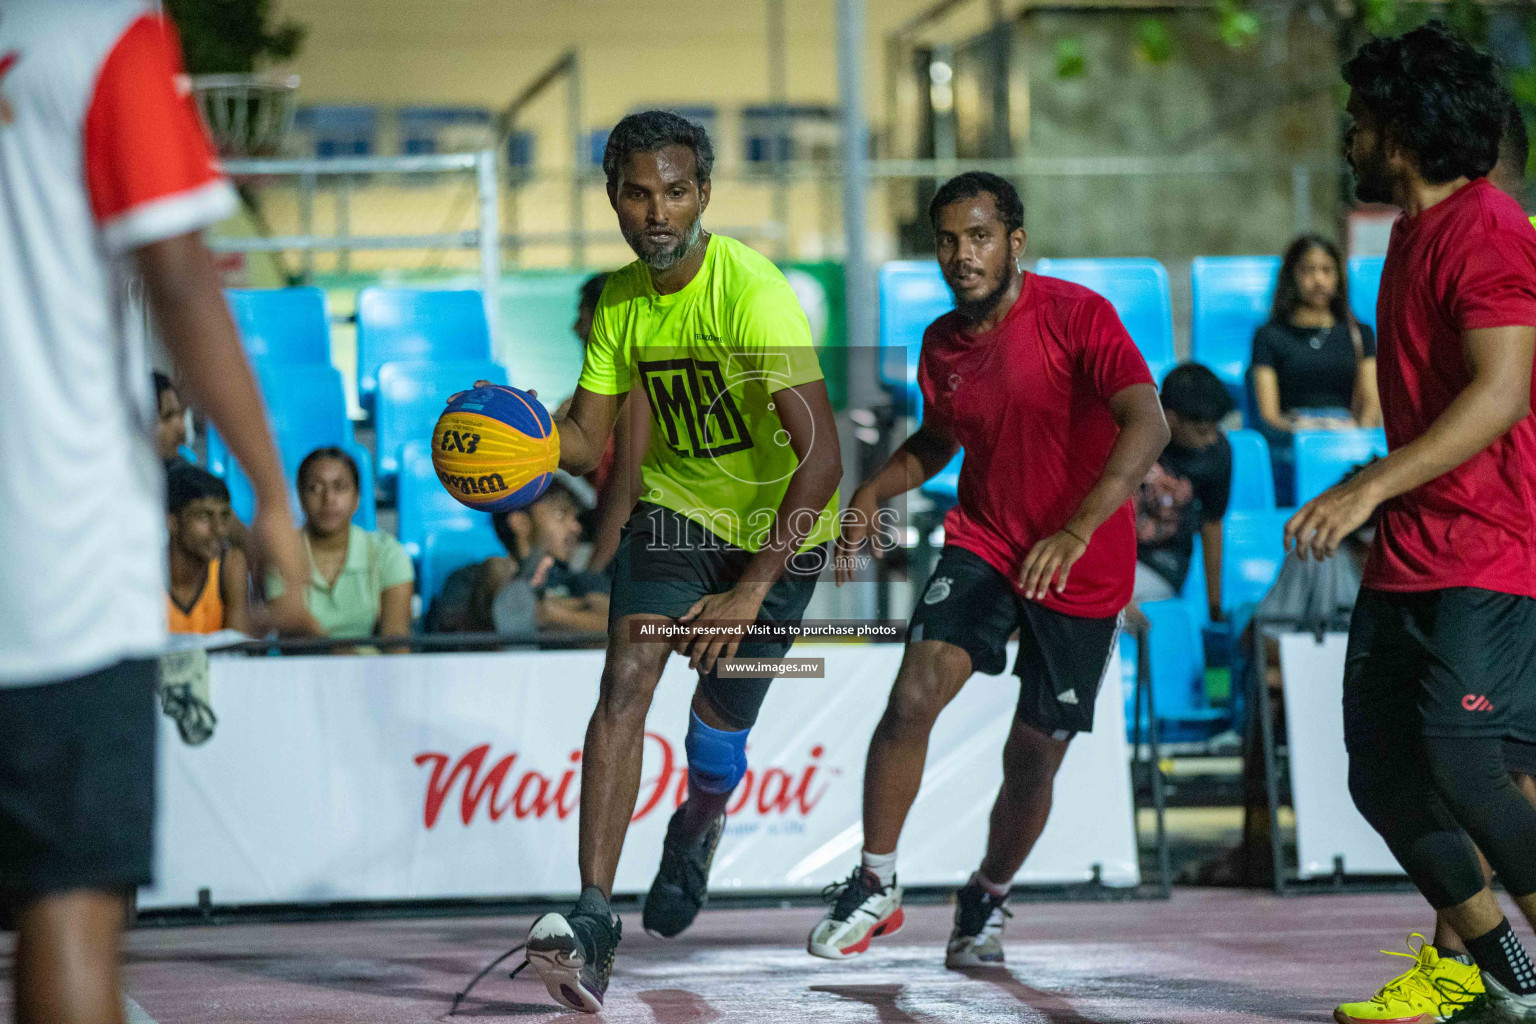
(1460, 661)
(1062, 658)
(77, 782)
(666, 562)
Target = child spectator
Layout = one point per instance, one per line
(360, 580)
(533, 588)
(1186, 490)
(171, 421)
(206, 588)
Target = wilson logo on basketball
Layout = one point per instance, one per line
(1476, 702)
(490, 483)
(502, 789)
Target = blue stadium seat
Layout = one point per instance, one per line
(1178, 675)
(447, 549)
(411, 396)
(425, 504)
(282, 326)
(1364, 284)
(1252, 548)
(307, 409)
(944, 488)
(912, 296)
(395, 324)
(1324, 456)
(1232, 296)
(1138, 289)
(1253, 478)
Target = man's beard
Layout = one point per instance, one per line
(669, 257)
(1372, 183)
(972, 311)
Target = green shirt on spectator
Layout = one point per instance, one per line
(348, 609)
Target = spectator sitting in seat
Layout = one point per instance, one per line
(533, 588)
(207, 584)
(1186, 490)
(1314, 365)
(360, 580)
(171, 421)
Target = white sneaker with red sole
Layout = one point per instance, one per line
(862, 910)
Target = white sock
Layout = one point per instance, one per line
(992, 887)
(881, 865)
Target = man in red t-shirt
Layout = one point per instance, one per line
(1441, 666)
(1059, 418)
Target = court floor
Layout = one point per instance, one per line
(1205, 956)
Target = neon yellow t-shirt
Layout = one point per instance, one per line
(713, 359)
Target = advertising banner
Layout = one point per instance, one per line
(458, 775)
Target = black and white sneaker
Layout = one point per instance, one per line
(862, 910)
(977, 938)
(573, 952)
(682, 882)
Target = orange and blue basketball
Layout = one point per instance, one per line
(495, 448)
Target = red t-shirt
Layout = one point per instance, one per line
(1467, 262)
(1029, 401)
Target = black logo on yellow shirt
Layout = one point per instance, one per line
(690, 402)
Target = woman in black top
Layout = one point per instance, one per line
(1314, 365)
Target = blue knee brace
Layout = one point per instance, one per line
(717, 759)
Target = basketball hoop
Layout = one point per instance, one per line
(248, 115)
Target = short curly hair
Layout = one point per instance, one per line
(1010, 208)
(1435, 95)
(650, 130)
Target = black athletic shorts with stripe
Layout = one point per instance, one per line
(1062, 658)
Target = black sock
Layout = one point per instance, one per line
(1500, 954)
(1447, 953)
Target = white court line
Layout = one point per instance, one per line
(135, 1013)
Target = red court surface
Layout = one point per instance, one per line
(1207, 955)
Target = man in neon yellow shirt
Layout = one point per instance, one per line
(738, 498)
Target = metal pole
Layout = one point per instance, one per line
(1301, 199)
(490, 242)
(307, 220)
(578, 169)
(941, 97)
(778, 97)
(1155, 760)
(858, 281)
(1001, 142)
(344, 221)
(1260, 704)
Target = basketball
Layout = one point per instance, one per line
(495, 448)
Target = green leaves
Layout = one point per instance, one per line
(1070, 60)
(230, 36)
(1236, 24)
(1154, 42)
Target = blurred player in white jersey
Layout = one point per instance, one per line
(105, 174)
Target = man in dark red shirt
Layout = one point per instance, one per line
(1041, 385)
(1441, 666)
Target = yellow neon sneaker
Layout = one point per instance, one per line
(1433, 989)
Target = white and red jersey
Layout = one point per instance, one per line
(101, 152)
